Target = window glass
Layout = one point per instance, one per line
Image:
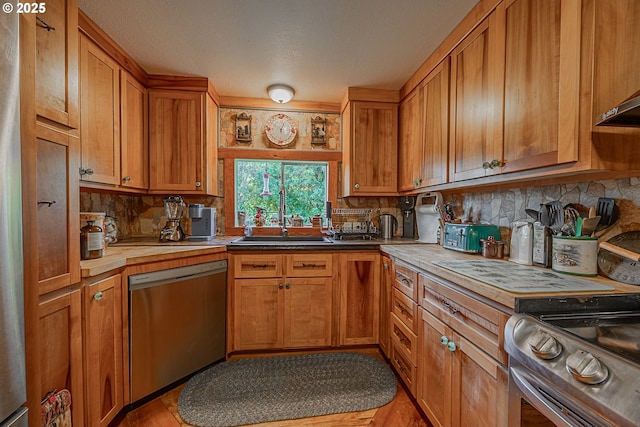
(258, 185)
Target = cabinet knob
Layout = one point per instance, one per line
(495, 163)
(385, 265)
(444, 340)
(126, 179)
(87, 171)
(287, 286)
(451, 346)
(417, 181)
(198, 184)
(98, 296)
(356, 186)
(279, 285)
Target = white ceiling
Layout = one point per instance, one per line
(319, 47)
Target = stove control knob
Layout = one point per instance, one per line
(544, 346)
(586, 368)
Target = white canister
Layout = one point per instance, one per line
(521, 247)
(575, 255)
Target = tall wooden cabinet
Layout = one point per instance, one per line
(134, 133)
(57, 63)
(370, 143)
(182, 142)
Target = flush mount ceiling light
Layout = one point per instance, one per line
(281, 93)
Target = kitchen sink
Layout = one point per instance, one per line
(281, 239)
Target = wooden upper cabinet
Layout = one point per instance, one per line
(616, 61)
(57, 63)
(431, 166)
(410, 140)
(477, 66)
(100, 115)
(182, 142)
(58, 222)
(541, 83)
(370, 148)
(134, 141)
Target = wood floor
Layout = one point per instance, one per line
(400, 412)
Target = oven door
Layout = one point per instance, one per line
(534, 402)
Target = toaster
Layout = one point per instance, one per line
(467, 237)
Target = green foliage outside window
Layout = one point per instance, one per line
(305, 186)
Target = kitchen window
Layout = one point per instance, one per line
(258, 184)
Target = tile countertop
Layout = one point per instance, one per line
(422, 255)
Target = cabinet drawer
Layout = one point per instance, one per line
(309, 265)
(406, 309)
(405, 339)
(406, 280)
(480, 323)
(256, 266)
(404, 368)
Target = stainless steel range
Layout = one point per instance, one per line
(576, 361)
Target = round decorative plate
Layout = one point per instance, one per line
(281, 129)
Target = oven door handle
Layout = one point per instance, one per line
(536, 399)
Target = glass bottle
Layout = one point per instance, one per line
(91, 237)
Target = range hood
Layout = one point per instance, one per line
(626, 114)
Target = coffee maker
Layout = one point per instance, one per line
(203, 222)
(407, 206)
(172, 231)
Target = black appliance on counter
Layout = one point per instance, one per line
(407, 206)
(576, 360)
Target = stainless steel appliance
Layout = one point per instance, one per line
(13, 389)
(172, 231)
(576, 360)
(176, 324)
(407, 206)
(203, 222)
(388, 226)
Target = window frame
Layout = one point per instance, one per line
(228, 157)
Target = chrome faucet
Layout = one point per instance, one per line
(282, 211)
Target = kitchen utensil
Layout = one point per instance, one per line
(617, 267)
(589, 225)
(578, 229)
(592, 211)
(545, 216)
(608, 211)
(571, 216)
(534, 214)
(492, 248)
(556, 216)
(521, 250)
(388, 226)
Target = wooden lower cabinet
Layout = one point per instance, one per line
(60, 349)
(282, 311)
(103, 357)
(458, 384)
(386, 285)
(359, 298)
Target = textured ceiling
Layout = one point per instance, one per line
(319, 47)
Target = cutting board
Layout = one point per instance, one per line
(520, 278)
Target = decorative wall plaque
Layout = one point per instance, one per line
(243, 127)
(318, 131)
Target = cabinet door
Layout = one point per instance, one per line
(176, 141)
(410, 141)
(134, 142)
(359, 298)
(57, 63)
(477, 68)
(431, 165)
(541, 83)
(103, 350)
(434, 370)
(99, 115)
(479, 388)
(257, 314)
(58, 227)
(373, 159)
(307, 312)
(60, 349)
(386, 280)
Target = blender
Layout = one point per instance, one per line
(172, 231)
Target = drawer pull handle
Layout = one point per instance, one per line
(98, 296)
(403, 310)
(401, 366)
(46, 202)
(451, 346)
(310, 265)
(452, 309)
(259, 265)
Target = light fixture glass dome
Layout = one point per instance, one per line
(280, 93)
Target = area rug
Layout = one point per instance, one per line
(278, 388)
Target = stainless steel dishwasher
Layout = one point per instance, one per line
(176, 324)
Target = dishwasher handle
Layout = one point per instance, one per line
(173, 275)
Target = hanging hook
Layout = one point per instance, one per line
(44, 24)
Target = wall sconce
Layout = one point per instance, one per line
(281, 93)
